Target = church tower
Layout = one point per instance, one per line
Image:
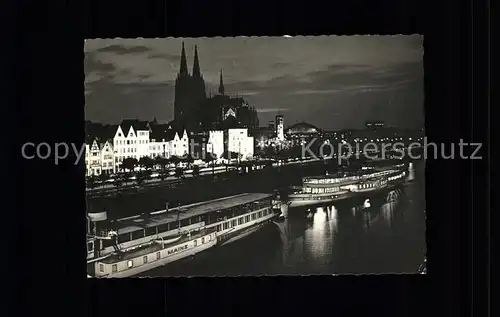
(198, 81)
(189, 91)
(196, 64)
(182, 83)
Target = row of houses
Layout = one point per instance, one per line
(108, 145)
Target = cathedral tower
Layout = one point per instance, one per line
(189, 91)
(181, 88)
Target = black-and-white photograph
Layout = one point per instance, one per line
(255, 156)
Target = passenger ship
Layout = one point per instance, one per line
(330, 188)
(133, 245)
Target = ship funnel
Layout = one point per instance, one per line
(98, 216)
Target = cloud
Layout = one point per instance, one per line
(123, 49)
(248, 93)
(316, 92)
(329, 81)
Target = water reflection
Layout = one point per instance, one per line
(333, 218)
(319, 233)
(285, 235)
(343, 238)
(367, 219)
(353, 211)
(411, 172)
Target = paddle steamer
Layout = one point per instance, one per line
(330, 188)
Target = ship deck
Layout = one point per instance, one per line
(160, 217)
(152, 248)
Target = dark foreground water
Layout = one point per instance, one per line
(337, 239)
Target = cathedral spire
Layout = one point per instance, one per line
(184, 69)
(221, 84)
(196, 64)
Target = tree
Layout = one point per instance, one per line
(174, 159)
(163, 174)
(270, 152)
(229, 155)
(162, 162)
(103, 178)
(210, 158)
(118, 180)
(146, 162)
(269, 164)
(129, 163)
(142, 176)
(188, 159)
(139, 178)
(91, 181)
(196, 171)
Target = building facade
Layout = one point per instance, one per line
(131, 140)
(215, 143)
(108, 146)
(107, 157)
(280, 129)
(93, 158)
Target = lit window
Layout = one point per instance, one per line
(130, 264)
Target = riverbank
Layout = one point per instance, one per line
(171, 180)
(191, 190)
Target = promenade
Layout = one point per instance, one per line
(108, 186)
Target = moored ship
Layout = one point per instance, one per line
(321, 189)
(132, 245)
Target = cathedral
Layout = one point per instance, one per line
(197, 112)
(189, 91)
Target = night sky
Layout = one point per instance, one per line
(333, 82)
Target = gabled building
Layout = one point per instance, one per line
(215, 143)
(168, 140)
(106, 146)
(108, 165)
(238, 141)
(92, 157)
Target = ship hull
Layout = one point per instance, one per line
(240, 231)
(156, 256)
(302, 200)
(241, 234)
